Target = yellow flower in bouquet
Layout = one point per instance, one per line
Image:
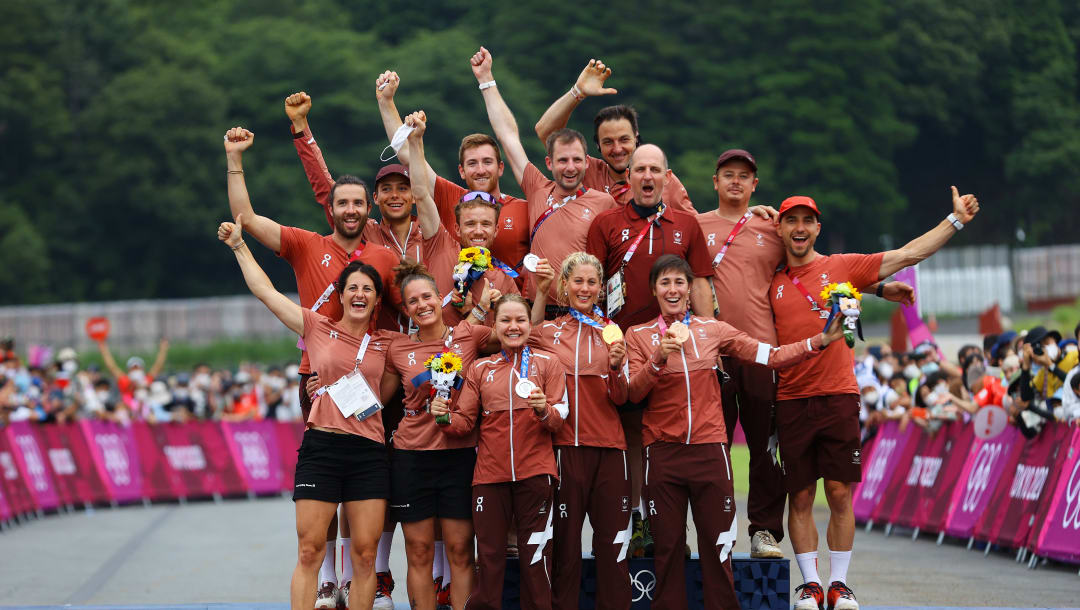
(845, 289)
(479, 257)
(450, 362)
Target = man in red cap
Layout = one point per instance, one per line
(817, 402)
(745, 251)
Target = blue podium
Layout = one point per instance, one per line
(759, 583)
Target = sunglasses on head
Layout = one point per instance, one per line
(486, 196)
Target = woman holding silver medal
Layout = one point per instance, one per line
(517, 399)
(342, 458)
(431, 473)
(590, 448)
(672, 362)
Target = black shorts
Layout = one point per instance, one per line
(426, 484)
(341, 468)
(819, 439)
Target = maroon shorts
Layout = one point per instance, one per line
(819, 439)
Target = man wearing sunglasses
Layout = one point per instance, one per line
(480, 165)
(616, 135)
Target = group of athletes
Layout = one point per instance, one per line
(606, 353)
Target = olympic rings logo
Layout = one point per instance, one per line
(643, 583)
(979, 479)
(1072, 500)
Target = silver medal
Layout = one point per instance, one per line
(530, 261)
(524, 388)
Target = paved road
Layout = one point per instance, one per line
(243, 552)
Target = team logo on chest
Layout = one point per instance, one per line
(760, 239)
(508, 222)
(678, 237)
(333, 334)
(710, 239)
(325, 262)
(585, 212)
(780, 291)
(825, 279)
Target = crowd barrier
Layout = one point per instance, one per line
(58, 467)
(1007, 491)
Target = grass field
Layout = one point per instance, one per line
(740, 464)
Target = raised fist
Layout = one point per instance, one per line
(238, 139)
(386, 85)
(481, 65)
(418, 121)
(297, 106)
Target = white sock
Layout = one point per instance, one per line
(838, 565)
(445, 568)
(808, 566)
(346, 560)
(327, 573)
(382, 556)
(437, 561)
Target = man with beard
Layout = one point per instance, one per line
(745, 251)
(480, 165)
(616, 135)
(560, 210)
(817, 402)
(317, 260)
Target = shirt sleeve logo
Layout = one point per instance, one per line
(780, 291)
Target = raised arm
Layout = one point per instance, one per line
(701, 297)
(921, 248)
(422, 188)
(589, 83)
(385, 88)
(502, 120)
(266, 231)
(290, 314)
(159, 360)
(110, 362)
(297, 107)
(735, 343)
(543, 277)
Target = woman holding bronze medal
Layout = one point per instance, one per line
(672, 362)
(517, 399)
(342, 458)
(431, 473)
(590, 448)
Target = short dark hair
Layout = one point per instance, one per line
(364, 268)
(615, 113)
(988, 343)
(344, 179)
(564, 136)
(670, 262)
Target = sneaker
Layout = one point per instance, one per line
(384, 586)
(841, 597)
(343, 596)
(811, 598)
(442, 598)
(637, 537)
(764, 546)
(327, 598)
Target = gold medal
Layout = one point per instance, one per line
(680, 332)
(611, 333)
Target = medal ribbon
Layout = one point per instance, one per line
(554, 206)
(524, 374)
(663, 325)
(584, 319)
(731, 238)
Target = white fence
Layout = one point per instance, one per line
(964, 291)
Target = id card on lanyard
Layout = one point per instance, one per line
(822, 313)
(352, 394)
(616, 287)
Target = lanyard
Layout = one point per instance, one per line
(641, 235)
(507, 269)
(407, 238)
(794, 280)
(618, 188)
(524, 362)
(554, 206)
(324, 297)
(663, 325)
(731, 238)
(584, 319)
(363, 349)
(357, 253)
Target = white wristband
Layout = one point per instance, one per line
(487, 85)
(955, 222)
(578, 95)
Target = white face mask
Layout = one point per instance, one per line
(69, 366)
(103, 396)
(201, 380)
(886, 370)
(1053, 351)
(137, 376)
(400, 137)
(870, 398)
(911, 371)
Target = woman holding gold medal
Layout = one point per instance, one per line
(430, 473)
(342, 458)
(590, 448)
(672, 362)
(517, 399)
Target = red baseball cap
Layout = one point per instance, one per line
(798, 201)
(393, 168)
(736, 153)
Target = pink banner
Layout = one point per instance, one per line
(936, 491)
(922, 473)
(20, 500)
(896, 488)
(1059, 536)
(199, 459)
(254, 449)
(32, 463)
(5, 509)
(885, 453)
(290, 435)
(986, 462)
(1007, 520)
(73, 467)
(160, 480)
(917, 330)
(115, 457)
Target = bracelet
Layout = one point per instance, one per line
(238, 246)
(879, 292)
(487, 85)
(578, 95)
(479, 315)
(235, 171)
(959, 226)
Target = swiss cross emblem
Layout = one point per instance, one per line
(824, 279)
(508, 222)
(678, 237)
